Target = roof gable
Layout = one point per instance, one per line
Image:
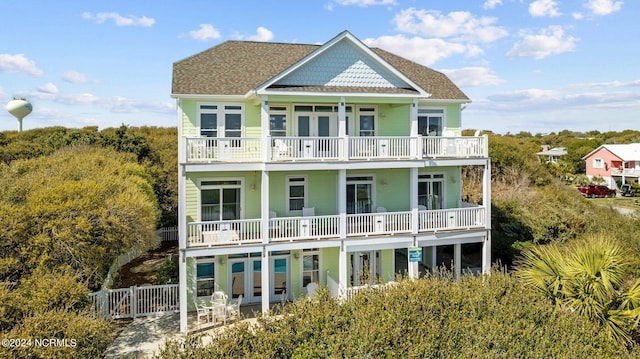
(341, 63)
(625, 152)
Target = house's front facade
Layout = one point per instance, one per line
(332, 164)
(616, 164)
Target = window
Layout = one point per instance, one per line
(278, 121)
(296, 194)
(430, 121)
(431, 191)
(205, 277)
(216, 120)
(360, 194)
(598, 163)
(310, 267)
(209, 120)
(367, 121)
(220, 200)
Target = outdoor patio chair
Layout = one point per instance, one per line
(201, 311)
(312, 289)
(219, 312)
(219, 297)
(308, 211)
(233, 308)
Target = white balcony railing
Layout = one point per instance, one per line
(322, 227)
(224, 232)
(242, 149)
(306, 148)
(381, 147)
(316, 227)
(210, 149)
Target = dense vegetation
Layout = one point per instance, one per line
(72, 200)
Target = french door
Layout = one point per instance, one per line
(431, 191)
(366, 267)
(246, 278)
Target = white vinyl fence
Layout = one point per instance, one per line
(135, 302)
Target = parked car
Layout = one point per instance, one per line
(596, 190)
(626, 190)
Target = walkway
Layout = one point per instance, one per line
(147, 335)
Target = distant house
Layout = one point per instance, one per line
(551, 155)
(614, 163)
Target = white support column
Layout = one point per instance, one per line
(265, 280)
(457, 260)
(434, 258)
(342, 202)
(413, 199)
(416, 142)
(265, 137)
(342, 130)
(264, 207)
(342, 271)
(182, 222)
(486, 201)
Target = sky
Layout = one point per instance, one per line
(537, 66)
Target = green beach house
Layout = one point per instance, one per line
(335, 164)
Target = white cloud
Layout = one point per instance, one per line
(421, 50)
(262, 34)
(19, 63)
(540, 8)
(550, 41)
(206, 32)
(460, 25)
(490, 4)
(603, 7)
(76, 77)
(610, 84)
(472, 76)
(364, 3)
(577, 15)
(48, 88)
(102, 17)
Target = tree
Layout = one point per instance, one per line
(79, 207)
(586, 277)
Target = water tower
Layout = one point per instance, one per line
(19, 108)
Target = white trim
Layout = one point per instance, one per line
(305, 184)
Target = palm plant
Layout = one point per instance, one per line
(586, 277)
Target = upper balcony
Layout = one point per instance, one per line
(291, 149)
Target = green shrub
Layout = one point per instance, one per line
(435, 317)
(168, 271)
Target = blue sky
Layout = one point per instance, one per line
(527, 65)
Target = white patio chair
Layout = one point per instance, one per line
(219, 312)
(381, 210)
(233, 308)
(281, 148)
(201, 311)
(219, 297)
(312, 289)
(308, 211)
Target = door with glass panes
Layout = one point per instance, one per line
(317, 124)
(431, 191)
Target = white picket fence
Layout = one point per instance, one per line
(168, 234)
(135, 301)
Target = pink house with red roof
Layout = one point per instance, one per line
(614, 163)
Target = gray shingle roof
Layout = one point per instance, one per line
(237, 67)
